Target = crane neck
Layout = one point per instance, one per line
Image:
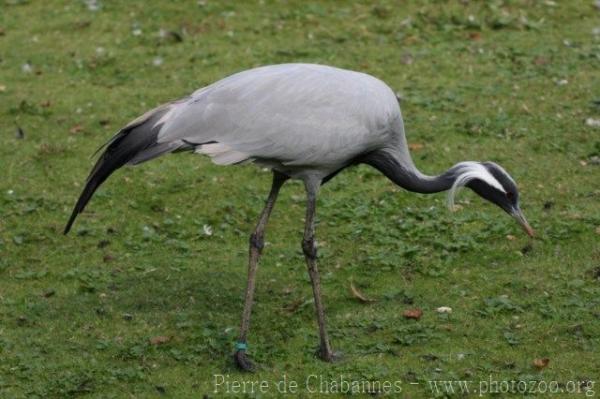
(397, 165)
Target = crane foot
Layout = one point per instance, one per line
(329, 356)
(242, 361)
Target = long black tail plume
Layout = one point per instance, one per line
(134, 144)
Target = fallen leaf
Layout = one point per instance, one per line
(413, 313)
(475, 36)
(2, 88)
(411, 39)
(359, 295)
(292, 307)
(76, 129)
(288, 290)
(416, 146)
(444, 309)
(510, 237)
(541, 363)
(82, 24)
(598, 230)
(159, 340)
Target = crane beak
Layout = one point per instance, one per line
(519, 217)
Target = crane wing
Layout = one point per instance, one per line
(297, 114)
(309, 116)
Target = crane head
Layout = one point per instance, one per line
(491, 182)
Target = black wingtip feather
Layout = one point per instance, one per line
(84, 198)
(105, 166)
(121, 149)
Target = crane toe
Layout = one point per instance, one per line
(243, 362)
(329, 355)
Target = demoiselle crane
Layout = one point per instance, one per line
(302, 121)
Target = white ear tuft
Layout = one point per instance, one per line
(468, 171)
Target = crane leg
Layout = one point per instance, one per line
(309, 247)
(256, 246)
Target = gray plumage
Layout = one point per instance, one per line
(305, 122)
(295, 115)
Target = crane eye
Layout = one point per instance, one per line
(510, 195)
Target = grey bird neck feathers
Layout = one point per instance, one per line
(397, 166)
(404, 173)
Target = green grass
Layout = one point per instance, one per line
(514, 83)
